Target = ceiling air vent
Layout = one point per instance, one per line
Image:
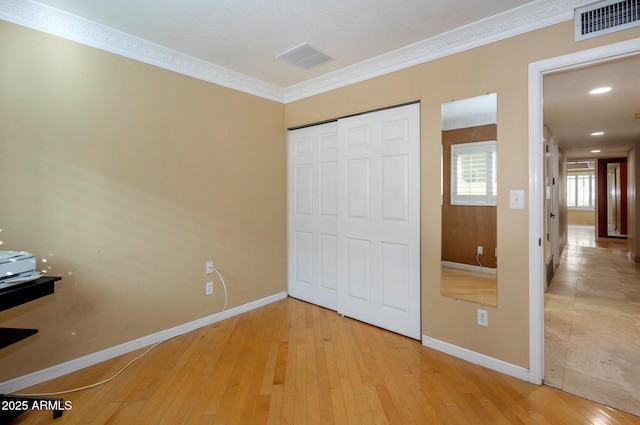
(605, 17)
(304, 56)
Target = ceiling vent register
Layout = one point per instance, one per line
(606, 17)
(304, 56)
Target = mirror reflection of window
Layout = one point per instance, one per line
(473, 173)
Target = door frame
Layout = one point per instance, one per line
(537, 70)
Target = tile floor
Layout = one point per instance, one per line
(592, 322)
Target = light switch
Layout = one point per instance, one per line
(516, 199)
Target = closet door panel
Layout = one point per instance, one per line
(379, 219)
(312, 214)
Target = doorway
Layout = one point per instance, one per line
(537, 217)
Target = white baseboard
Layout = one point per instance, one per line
(469, 267)
(477, 358)
(56, 371)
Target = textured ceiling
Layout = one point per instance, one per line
(246, 35)
(572, 114)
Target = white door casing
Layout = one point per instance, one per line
(536, 184)
(354, 217)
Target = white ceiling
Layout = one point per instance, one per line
(234, 43)
(572, 114)
(246, 35)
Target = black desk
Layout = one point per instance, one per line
(10, 297)
(21, 293)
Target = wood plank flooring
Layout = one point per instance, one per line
(295, 363)
(477, 287)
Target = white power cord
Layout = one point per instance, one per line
(86, 387)
(224, 285)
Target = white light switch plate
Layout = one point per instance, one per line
(516, 199)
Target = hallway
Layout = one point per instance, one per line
(592, 322)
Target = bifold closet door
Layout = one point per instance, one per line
(354, 217)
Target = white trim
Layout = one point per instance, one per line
(536, 184)
(52, 372)
(529, 17)
(471, 121)
(477, 358)
(47, 19)
(536, 229)
(469, 267)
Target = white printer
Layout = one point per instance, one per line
(17, 267)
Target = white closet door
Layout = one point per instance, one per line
(313, 214)
(354, 217)
(379, 219)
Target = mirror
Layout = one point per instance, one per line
(469, 200)
(617, 199)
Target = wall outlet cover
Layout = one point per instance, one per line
(516, 199)
(483, 317)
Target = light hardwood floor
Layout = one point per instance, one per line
(481, 288)
(295, 363)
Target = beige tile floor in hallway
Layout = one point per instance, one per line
(592, 322)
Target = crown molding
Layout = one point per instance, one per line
(535, 15)
(54, 21)
(469, 122)
(532, 16)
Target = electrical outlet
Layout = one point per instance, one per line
(483, 317)
(480, 250)
(208, 288)
(209, 267)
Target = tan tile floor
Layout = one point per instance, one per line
(592, 322)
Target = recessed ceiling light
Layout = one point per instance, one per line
(595, 151)
(597, 133)
(600, 90)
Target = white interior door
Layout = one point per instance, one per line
(548, 207)
(354, 217)
(555, 202)
(313, 214)
(379, 219)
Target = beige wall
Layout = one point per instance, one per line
(127, 178)
(584, 217)
(633, 217)
(500, 67)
